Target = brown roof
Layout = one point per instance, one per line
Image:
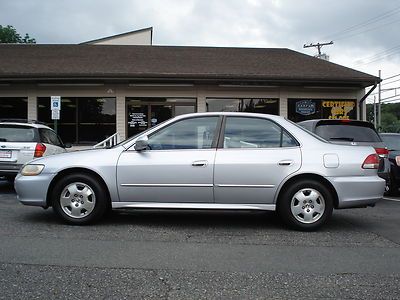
(109, 62)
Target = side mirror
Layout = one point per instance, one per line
(67, 145)
(142, 143)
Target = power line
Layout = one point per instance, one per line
(386, 83)
(391, 76)
(378, 56)
(385, 91)
(367, 30)
(389, 97)
(390, 101)
(365, 23)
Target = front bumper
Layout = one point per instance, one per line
(32, 190)
(358, 191)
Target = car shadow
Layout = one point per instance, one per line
(188, 219)
(6, 187)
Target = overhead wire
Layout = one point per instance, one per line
(364, 23)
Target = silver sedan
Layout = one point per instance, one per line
(231, 161)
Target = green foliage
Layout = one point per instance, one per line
(390, 121)
(9, 35)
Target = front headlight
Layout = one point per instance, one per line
(32, 170)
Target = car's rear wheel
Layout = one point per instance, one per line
(305, 205)
(79, 199)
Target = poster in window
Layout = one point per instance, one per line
(339, 109)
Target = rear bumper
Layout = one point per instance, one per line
(32, 190)
(7, 169)
(358, 191)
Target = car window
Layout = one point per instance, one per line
(347, 132)
(49, 137)
(194, 133)
(255, 133)
(391, 141)
(17, 133)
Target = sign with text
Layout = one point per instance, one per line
(55, 114)
(55, 103)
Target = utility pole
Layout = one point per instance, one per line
(379, 102)
(318, 46)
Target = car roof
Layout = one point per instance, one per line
(226, 113)
(389, 133)
(338, 121)
(33, 125)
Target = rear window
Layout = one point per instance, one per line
(391, 141)
(15, 133)
(352, 133)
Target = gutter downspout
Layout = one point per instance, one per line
(365, 97)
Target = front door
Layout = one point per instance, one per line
(256, 156)
(177, 167)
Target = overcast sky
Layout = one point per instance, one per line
(365, 32)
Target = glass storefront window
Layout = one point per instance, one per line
(255, 105)
(82, 120)
(143, 113)
(308, 109)
(13, 108)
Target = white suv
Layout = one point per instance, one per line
(22, 141)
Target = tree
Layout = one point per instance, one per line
(9, 35)
(390, 121)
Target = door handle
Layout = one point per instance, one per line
(199, 163)
(285, 162)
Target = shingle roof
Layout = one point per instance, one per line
(35, 62)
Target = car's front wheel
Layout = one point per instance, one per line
(305, 205)
(79, 199)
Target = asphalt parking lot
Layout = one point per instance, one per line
(168, 254)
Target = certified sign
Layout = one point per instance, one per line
(55, 103)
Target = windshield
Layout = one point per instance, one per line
(15, 133)
(392, 141)
(352, 133)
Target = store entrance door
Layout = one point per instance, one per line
(142, 116)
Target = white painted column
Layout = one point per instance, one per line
(121, 116)
(201, 101)
(283, 104)
(32, 105)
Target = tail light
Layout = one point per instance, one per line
(39, 150)
(382, 152)
(398, 160)
(371, 162)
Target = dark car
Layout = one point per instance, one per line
(392, 141)
(352, 132)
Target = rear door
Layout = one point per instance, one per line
(252, 160)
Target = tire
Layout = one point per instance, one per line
(79, 199)
(305, 205)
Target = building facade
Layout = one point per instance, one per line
(106, 89)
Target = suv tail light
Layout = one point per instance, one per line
(382, 152)
(371, 162)
(39, 150)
